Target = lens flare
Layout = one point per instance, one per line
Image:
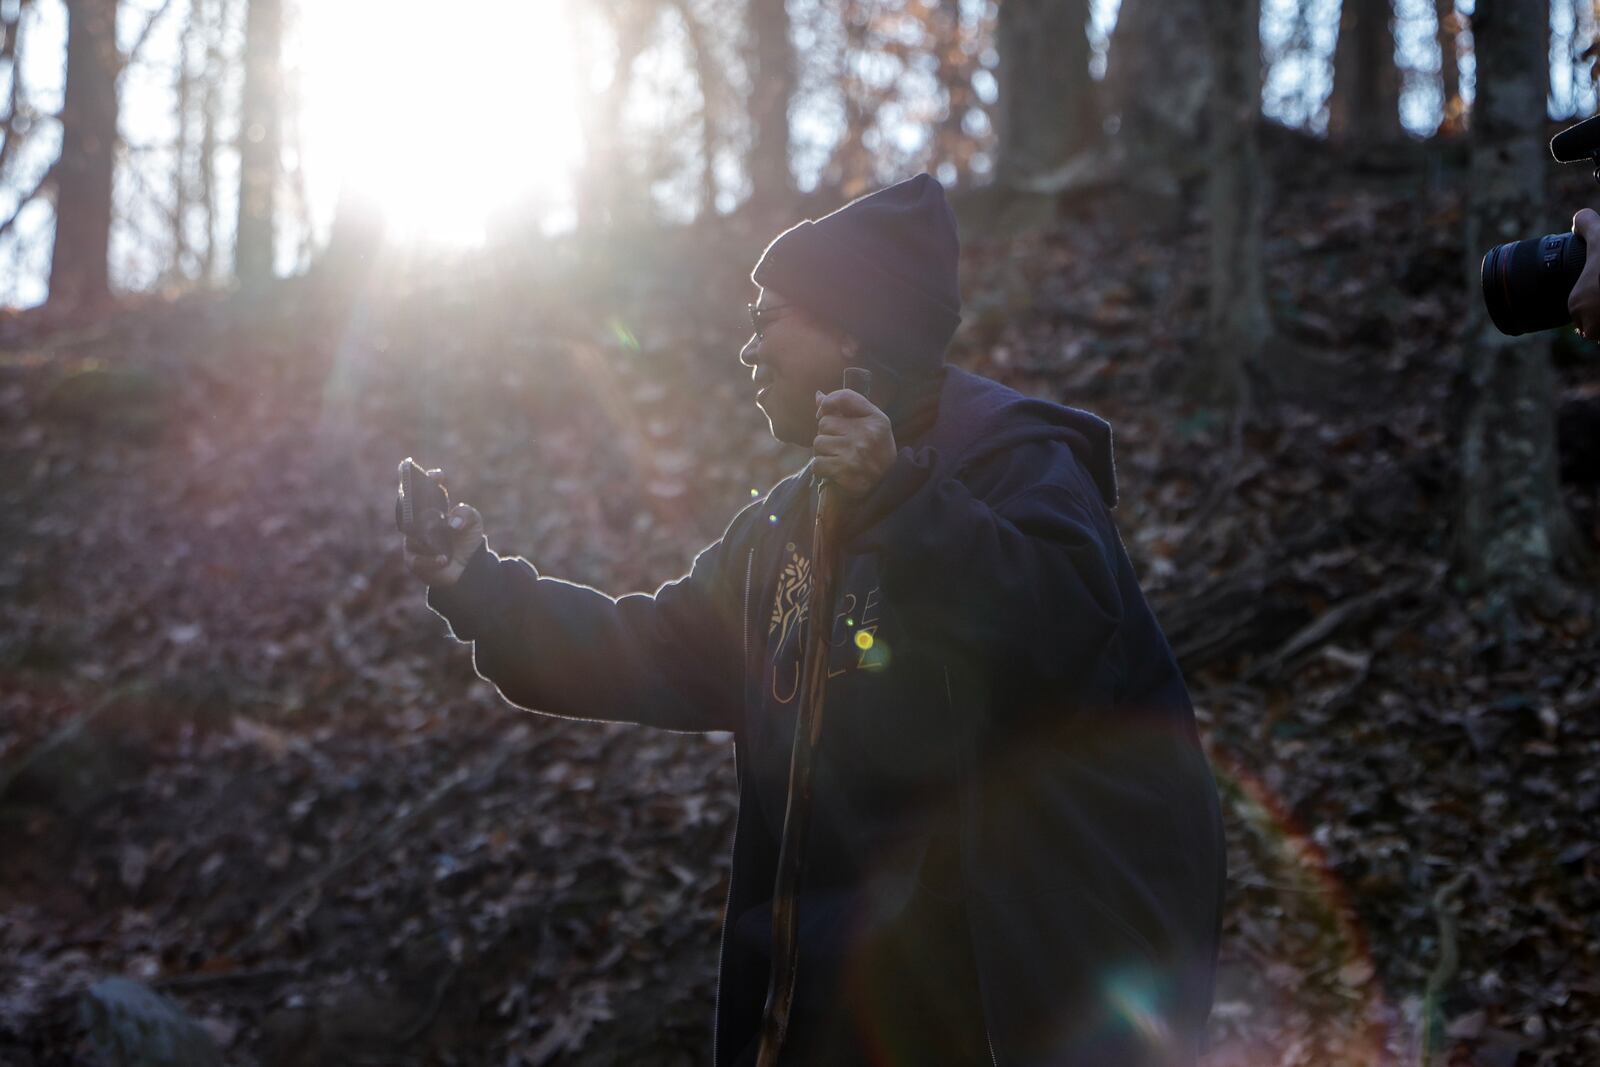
(623, 335)
(1133, 999)
(1310, 987)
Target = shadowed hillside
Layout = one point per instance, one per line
(241, 762)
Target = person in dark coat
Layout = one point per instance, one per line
(1016, 853)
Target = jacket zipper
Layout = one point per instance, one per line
(727, 902)
(950, 702)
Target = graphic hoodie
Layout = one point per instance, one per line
(999, 694)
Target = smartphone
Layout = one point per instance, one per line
(419, 510)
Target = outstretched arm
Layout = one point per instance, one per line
(669, 659)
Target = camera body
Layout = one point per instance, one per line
(1526, 283)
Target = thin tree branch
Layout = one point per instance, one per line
(15, 105)
(10, 29)
(166, 209)
(144, 34)
(28, 198)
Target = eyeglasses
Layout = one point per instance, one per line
(762, 317)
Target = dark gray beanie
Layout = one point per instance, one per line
(883, 268)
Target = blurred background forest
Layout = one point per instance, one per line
(196, 142)
(256, 808)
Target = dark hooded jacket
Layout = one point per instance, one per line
(999, 695)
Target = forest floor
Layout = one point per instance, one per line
(242, 763)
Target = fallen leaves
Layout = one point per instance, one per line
(320, 827)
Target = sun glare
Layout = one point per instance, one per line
(444, 115)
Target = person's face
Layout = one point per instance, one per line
(791, 358)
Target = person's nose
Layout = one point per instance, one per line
(751, 349)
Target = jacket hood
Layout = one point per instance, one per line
(990, 417)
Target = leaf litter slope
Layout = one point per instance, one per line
(298, 812)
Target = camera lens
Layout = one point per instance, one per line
(1526, 283)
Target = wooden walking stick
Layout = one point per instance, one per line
(807, 728)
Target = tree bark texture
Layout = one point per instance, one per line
(79, 273)
(1514, 531)
(1237, 321)
(1365, 104)
(1047, 109)
(1158, 77)
(772, 86)
(260, 137)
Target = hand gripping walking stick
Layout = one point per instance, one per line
(807, 728)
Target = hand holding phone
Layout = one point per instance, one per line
(439, 539)
(419, 510)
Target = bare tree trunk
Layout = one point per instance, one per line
(1514, 532)
(951, 144)
(215, 17)
(260, 140)
(1455, 108)
(79, 274)
(184, 90)
(607, 195)
(1047, 112)
(294, 113)
(353, 240)
(1158, 75)
(772, 81)
(1237, 321)
(1365, 104)
(708, 77)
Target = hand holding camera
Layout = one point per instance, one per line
(439, 539)
(1583, 303)
(1541, 283)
